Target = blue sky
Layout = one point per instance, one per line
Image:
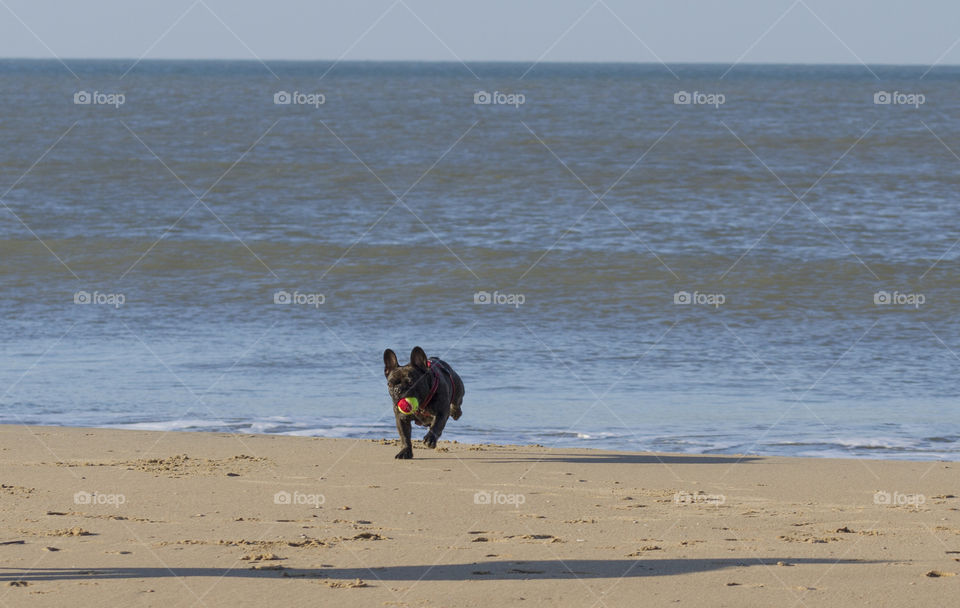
(757, 31)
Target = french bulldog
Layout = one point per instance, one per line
(424, 391)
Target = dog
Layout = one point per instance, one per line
(424, 391)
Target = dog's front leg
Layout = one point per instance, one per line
(406, 448)
(436, 429)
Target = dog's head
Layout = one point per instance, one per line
(406, 381)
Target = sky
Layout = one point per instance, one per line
(754, 31)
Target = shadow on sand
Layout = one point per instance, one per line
(492, 570)
(614, 458)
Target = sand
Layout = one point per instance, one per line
(92, 517)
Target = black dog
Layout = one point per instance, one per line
(425, 391)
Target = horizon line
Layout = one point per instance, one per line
(487, 61)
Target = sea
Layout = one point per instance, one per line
(705, 259)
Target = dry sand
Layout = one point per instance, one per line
(96, 517)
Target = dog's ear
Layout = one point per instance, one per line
(418, 358)
(389, 362)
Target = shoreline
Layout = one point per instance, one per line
(147, 517)
(890, 454)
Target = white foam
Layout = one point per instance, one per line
(873, 443)
(173, 425)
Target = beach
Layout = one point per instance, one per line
(691, 271)
(134, 518)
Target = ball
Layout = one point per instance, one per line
(408, 405)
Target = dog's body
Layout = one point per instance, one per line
(437, 388)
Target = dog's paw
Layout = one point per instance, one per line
(456, 412)
(406, 454)
(430, 441)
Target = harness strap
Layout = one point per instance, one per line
(425, 413)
